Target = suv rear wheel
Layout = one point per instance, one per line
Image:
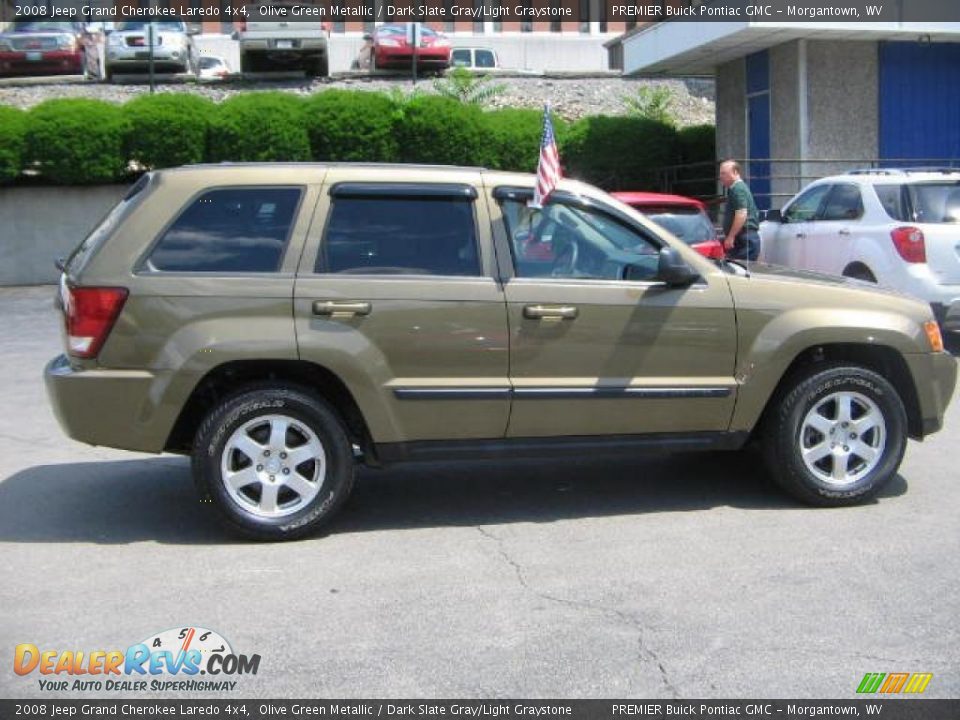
(836, 436)
(275, 460)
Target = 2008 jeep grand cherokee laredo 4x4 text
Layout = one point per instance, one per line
(283, 322)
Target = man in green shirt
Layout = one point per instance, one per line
(740, 218)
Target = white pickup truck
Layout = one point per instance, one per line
(283, 37)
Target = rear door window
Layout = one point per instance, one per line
(374, 232)
(229, 230)
(486, 59)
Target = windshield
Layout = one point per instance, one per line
(688, 224)
(157, 26)
(37, 27)
(402, 30)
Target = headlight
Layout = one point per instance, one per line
(389, 42)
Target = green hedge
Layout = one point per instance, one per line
(352, 125)
(167, 130)
(77, 141)
(697, 144)
(514, 137)
(619, 153)
(88, 141)
(13, 129)
(259, 127)
(442, 131)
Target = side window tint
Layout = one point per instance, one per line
(229, 230)
(485, 59)
(804, 208)
(460, 58)
(843, 203)
(565, 241)
(400, 235)
(891, 198)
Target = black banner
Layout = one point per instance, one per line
(494, 11)
(885, 709)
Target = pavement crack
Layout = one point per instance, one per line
(645, 654)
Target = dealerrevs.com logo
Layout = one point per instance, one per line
(166, 662)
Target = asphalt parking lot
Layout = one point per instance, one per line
(676, 576)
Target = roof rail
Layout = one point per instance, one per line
(904, 170)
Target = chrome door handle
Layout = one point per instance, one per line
(331, 307)
(800, 236)
(843, 232)
(536, 312)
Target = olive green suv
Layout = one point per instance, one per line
(283, 323)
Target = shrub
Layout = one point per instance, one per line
(168, 129)
(697, 145)
(463, 86)
(254, 127)
(514, 138)
(13, 128)
(442, 131)
(652, 102)
(352, 126)
(77, 141)
(619, 153)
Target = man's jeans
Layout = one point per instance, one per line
(746, 246)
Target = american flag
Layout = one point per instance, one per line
(548, 169)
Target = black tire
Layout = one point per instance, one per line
(785, 433)
(307, 413)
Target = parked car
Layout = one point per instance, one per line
(683, 216)
(279, 37)
(207, 315)
(474, 58)
(212, 68)
(388, 47)
(44, 48)
(899, 228)
(128, 48)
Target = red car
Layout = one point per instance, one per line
(388, 48)
(684, 217)
(42, 48)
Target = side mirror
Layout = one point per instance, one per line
(774, 216)
(673, 269)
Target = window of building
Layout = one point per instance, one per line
(401, 235)
(229, 230)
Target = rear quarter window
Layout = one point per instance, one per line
(228, 230)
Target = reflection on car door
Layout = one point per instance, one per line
(402, 278)
(592, 354)
(831, 238)
(795, 233)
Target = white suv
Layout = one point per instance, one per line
(898, 228)
(128, 48)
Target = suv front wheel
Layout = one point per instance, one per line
(836, 436)
(275, 460)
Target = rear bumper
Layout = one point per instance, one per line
(935, 378)
(50, 61)
(403, 57)
(114, 408)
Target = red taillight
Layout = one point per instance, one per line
(910, 244)
(90, 314)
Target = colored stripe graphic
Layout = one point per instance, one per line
(894, 683)
(870, 682)
(918, 682)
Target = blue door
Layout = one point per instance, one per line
(758, 127)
